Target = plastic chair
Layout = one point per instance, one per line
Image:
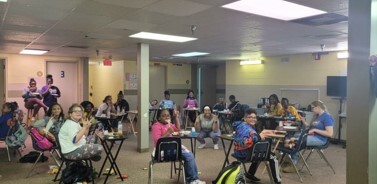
(319, 150)
(168, 149)
(41, 151)
(259, 153)
(299, 146)
(88, 162)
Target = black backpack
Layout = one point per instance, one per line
(77, 172)
(32, 156)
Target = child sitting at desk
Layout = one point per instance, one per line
(244, 139)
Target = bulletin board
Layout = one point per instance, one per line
(131, 80)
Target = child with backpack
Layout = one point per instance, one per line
(244, 138)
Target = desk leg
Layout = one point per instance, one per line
(113, 158)
(193, 145)
(105, 148)
(226, 152)
(131, 118)
(186, 119)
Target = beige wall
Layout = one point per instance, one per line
(105, 80)
(302, 79)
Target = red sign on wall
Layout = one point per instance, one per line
(107, 62)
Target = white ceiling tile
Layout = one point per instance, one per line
(177, 7)
(128, 3)
(130, 25)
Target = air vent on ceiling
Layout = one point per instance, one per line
(323, 19)
(77, 47)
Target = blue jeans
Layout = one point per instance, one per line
(311, 140)
(208, 133)
(191, 171)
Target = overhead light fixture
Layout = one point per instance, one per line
(3, 1)
(277, 9)
(251, 62)
(33, 51)
(162, 37)
(342, 55)
(191, 54)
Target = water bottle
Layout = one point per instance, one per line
(120, 128)
(290, 116)
(193, 132)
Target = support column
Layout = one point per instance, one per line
(85, 78)
(143, 97)
(199, 87)
(361, 109)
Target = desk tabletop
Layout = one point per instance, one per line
(132, 112)
(273, 133)
(115, 138)
(226, 136)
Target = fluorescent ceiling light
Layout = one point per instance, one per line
(3, 0)
(33, 51)
(191, 54)
(162, 37)
(342, 55)
(277, 9)
(251, 62)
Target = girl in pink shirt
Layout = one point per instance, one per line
(164, 128)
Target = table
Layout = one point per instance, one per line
(186, 112)
(277, 137)
(110, 156)
(226, 137)
(226, 120)
(264, 122)
(106, 121)
(192, 141)
(131, 117)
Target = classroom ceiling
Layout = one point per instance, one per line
(81, 27)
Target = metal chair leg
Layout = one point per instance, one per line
(298, 174)
(305, 164)
(7, 151)
(269, 172)
(183, 171)
(60, 168)
(150, 173)
(320, 152)
(35, 163)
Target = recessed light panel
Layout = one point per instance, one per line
(277, 9)
(33, 51)
(162, 37)
(191, 54)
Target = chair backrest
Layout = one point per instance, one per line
(260, 151)
(301, 142)
(168, 149)
(57, 141)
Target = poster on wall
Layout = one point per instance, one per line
(131, 81)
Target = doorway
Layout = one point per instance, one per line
(65, 75)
